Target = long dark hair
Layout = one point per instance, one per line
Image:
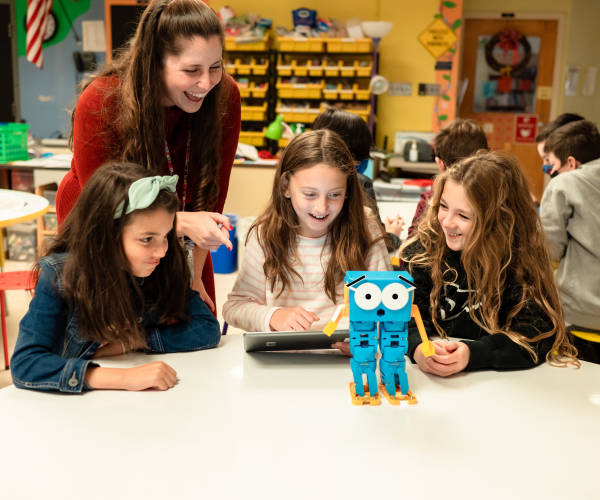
(133, 113)
(507, 245)
(97, 275)
(349, 234)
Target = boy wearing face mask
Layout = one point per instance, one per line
(570, 213)
(545, 132)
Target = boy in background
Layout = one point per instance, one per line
(570, 214)
(545, 132)
(458, 139)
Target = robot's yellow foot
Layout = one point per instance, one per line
(409, 398)
(367, 399)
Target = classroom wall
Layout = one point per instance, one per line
(46, 94)
(582, 51)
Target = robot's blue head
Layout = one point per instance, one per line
(379, 296)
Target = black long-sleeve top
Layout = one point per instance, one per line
(487, 351)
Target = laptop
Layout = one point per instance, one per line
(292, 341)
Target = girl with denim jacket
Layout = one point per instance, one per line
(115, 280)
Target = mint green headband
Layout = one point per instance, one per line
(142, 193)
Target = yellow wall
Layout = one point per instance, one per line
(582, 51)
(403, 58)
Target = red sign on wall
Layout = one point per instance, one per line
(525, 128)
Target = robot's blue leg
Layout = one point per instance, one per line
(372, 378)
(357, 374)
(388, 377)
(401, 379)
(358, 370)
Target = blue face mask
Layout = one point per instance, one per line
(362, 166)
(547, 169)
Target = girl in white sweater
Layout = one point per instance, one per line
(314, 229)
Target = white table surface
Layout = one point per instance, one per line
(280, 426)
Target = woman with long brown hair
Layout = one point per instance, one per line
(314, 229)
(165, 103)
(482, 271)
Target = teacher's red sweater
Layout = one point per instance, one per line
(89, 153)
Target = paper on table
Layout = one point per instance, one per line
(61, 160)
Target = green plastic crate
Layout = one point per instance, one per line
(13, 142)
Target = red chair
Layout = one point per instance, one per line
(17, 280)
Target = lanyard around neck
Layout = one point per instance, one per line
(187, 162)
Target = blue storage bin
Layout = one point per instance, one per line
(224, 261)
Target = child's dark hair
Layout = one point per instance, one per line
(97, 275)
(351, 128)
(349, 233)
(579, 139)
(561, 120)
(459, 139)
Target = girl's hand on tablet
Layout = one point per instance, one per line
(342, 346)
(296, 318)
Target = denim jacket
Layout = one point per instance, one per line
(51, 353)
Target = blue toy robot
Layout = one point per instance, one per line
(384, 299)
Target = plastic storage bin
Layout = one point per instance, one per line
(254, 113)
(349, 45)
(22, 241)
(297, 113)
(245, 89)
(291, 44)
(299, 68)
(259, 69)
(300, 90)
(256, 91)
(233, 43)
(243, 69)
(225, 261)
(13, 142)
(253, 138)
(333, 69)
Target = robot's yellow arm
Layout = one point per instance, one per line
(426, 344)
(340, 312)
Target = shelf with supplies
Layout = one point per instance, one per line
(298, 81)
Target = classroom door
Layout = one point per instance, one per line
(510, 94)
(8, 108)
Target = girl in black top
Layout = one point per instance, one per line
(482, 272)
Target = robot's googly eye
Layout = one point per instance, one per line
(367, 296)
(394, 296)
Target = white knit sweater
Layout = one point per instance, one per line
(251, 304)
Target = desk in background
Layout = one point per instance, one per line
(281, 426)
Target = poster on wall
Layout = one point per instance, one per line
(525, 129)
(506, 73)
